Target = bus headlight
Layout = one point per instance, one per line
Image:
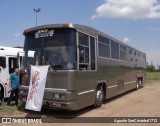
(56, 96)
(59, 96)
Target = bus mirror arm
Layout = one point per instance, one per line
(52, 70)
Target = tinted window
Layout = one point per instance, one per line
(92, 48)
(130, 51)
(114, 50)
(86, 55)
(122, 52)
(122, 55)
(103, 40)
(104, 50)
(122, 47)
(83, 54)
(61, 37)
(83, 39)
(135, 53)
(83, 51)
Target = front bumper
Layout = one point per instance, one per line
(72, 105)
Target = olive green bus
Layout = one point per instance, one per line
(86, 66)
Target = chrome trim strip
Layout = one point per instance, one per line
(124, 83)
(130, 82)
(85, 92)
(48, 89)
(55, 89)
(113, 86)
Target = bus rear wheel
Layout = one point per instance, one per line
(139, 84)
(99, 97)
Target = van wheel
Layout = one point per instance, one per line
(99, 97)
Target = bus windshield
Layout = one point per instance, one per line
(58, 49)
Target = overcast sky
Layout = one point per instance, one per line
(136, 22)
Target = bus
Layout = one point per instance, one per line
(87, 66)
(8, 61)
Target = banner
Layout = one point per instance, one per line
(36, 88)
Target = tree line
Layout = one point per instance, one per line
(152, 68)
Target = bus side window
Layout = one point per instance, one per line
(92, 53)
(81, 54)
(83, 51)
(3, 62)
(83, 58)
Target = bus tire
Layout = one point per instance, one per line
(141, 82)
(137, 85)
(99, 97)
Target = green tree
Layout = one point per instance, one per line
(151, 68)
(158, 68)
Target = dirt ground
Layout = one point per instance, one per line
(142, 103)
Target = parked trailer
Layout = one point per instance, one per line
(86, 65)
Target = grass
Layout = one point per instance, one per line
(8, 111)
(153, 76)
(4, 111)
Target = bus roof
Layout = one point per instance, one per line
(10, 51)
(82, 28)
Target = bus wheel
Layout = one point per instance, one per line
(137, 85)
(140, 83)
(99, 97)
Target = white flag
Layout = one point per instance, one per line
(36, 88)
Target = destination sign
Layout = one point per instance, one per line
(44, 33)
